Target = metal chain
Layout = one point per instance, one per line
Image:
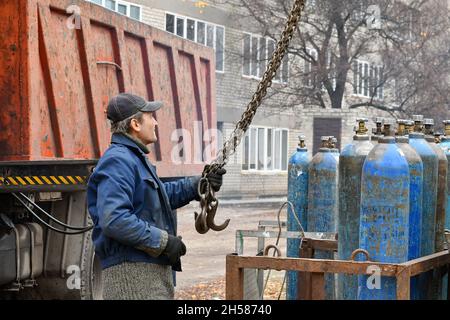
(229, 147)
(205, 220)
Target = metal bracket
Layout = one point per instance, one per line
(30, 283)
(111, 64)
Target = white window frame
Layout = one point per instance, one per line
(360, 91)
(331, 74)
(259, 72)
(215, 26)
(125, 3)
(276, 168)
(309, 81)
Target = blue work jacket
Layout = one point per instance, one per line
(130, 206)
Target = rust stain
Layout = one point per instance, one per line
(70, 121)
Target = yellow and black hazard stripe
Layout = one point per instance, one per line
(42, 180)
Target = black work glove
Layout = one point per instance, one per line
(216, 178)
(175, 248)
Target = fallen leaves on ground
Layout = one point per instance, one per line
(215, 290)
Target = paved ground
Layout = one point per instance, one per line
(205, 258)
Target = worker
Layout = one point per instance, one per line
(133, 211)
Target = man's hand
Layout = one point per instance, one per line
(216, 179)
(175, 248)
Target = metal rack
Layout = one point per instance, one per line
(312, 271)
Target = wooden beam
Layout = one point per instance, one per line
(318, 286)
(313, 265)
(403, 283)
(304, 285)
(427, 263)
(234, 285)
(328, 245)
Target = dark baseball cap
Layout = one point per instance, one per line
(125, 105)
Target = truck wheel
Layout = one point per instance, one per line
(91, 273)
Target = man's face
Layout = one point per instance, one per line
(146, 129)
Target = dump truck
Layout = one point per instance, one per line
(60, 63)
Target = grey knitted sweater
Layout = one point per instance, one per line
(138, 281)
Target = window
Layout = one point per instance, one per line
(407, 26)
(122, 7)
(135, 12)
(332, 75)
(190, 29)
(368, 80)
(180, 27)
(210, 36)
(205, 33)
(257, 51)
(265, 149)
(309, 76)
(170, 23)
(110, 4)
(201, 33)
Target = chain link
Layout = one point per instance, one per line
(229, 147)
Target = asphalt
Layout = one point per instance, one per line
(206, 253)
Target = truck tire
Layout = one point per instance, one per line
(91, 273)
(73, 270)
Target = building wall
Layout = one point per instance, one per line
(154, 17)
(234, 92)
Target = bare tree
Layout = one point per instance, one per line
(386, 54)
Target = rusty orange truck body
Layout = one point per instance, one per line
(58, 71)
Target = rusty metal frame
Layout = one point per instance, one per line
(316, 269)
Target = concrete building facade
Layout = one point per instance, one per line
(259, 167)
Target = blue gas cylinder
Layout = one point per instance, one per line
(430, 179)
(323, 202)
(384, 221)
(351, 161)
(442, 185)
(441, 203)
(415, 191)
(445, 145)
(415, 198)
(298, 196)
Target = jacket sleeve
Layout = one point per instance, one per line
(117, 220)
(182, 191)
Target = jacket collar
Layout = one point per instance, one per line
(119, 138)
(129, 142)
